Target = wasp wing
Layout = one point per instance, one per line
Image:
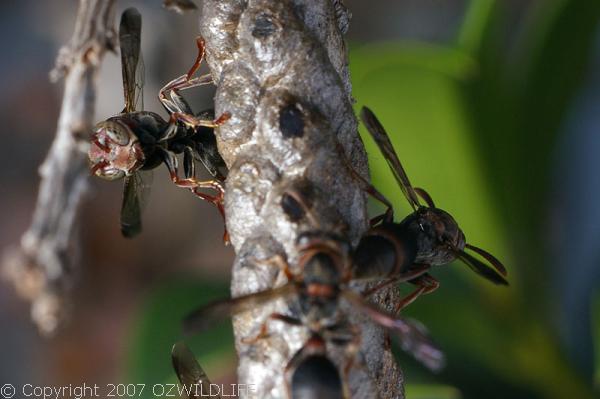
(132, 66)
(384, 143)
(131, 213)
(206, 316)
(135, 192)
(413, 336)
(189, 372)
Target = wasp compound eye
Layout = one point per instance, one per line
(291, 121)
(115, 131)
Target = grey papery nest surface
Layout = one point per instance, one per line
(267, 56)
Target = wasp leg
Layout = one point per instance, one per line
(190, 121)
(199, 57)
(189, 166)
(264, 327)
(169, 96)
(426, 284)
(407, 276)
(192, 183)
(184, 81)
(174, 103)
(364, 185)
(280, 262)
(193, 122)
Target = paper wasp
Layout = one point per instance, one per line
(124, 146)
(427, 237)
(317, 289)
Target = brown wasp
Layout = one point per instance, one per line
(189, 372)
(315, 292)
(427, 237)
(136, 140)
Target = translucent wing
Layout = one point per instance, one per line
(415, 340)
(387, 149)
(206, 316)
(412, 335)
(132, 66)
(189, 372)
(131, 213)
(144, 180)
(135, 192)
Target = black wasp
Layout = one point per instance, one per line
(427, 237)
(136, 140)
(315, 292)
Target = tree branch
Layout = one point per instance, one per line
(269, 55)
(42, 268)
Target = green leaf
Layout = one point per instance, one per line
(419, 391)
(418, 55)
(478, 25)
(159, 326)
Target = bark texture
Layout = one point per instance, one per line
(43, 267)
(267, 56)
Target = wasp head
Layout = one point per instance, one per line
(115, 150)
(439, 237)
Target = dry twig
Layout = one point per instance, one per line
(42, 268)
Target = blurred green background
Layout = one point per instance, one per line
(493, 107)
(477, 122)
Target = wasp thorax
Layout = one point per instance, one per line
(439, 237)
(115, 151)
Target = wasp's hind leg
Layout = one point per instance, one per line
(174, 103)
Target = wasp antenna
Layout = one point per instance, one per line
(425, 195)
(490, 258)
(481, 268)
